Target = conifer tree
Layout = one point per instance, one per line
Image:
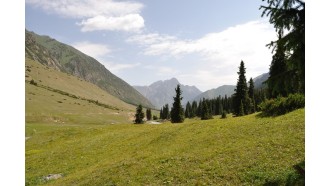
(148, 114)
(139, 115)
(241, 98)
(198, 111)
(188, 110)
(251, 95)
(241, 109)
(193, 109)
(161, 116)
(226, 104)
(278, 82)
(205, 111)
(220, 108)
(288, 18)
(177, 113)
(166, 112)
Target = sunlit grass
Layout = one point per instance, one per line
(236, 151)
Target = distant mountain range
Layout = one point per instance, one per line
(258, 81)
(230, 89)
(67, 59)
(162, 92)
(213, 93)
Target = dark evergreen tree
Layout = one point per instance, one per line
(193, 109)
(220, 108)
(161, 115)
(260, 96)
(139, 115)
(225, 104)
(166, 112)
(198, 112)
(241, 109)
(241, 93)
(205, 111)
(177, 113)
(288, 16)
(188, 111)
(148, 114)
(224, 115)
(278, 83)
(251, 95)
(217, 103)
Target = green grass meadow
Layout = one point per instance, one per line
(248, 150)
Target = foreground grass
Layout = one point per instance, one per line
(236, 151)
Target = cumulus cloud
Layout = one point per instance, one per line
(130, 22)
(115, 67)
(101, 53)
(92, 49)
(219, 53)
(241, 40)
(97, 14)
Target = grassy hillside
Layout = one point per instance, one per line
(65, 58)
(48, 101)
(245, 150)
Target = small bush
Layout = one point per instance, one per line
(154, 117)
(223, 115)
(32, 82)
(282, 105)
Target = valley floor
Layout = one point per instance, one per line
(245, 150)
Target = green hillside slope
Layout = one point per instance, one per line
(245, 150)
(67, 59)
(59, 97)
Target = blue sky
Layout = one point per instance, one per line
(200, 43)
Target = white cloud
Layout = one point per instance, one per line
(101, 53)
(162, 70)
(241, 40)
(92, 49)
(97, 14)
(130, 22)
(206, 79)
(87, 8)
(220, 52)
(115, 67)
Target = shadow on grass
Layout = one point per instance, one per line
(296, 179)
(263, 115)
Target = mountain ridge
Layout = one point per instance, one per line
(224, 90)
(66, 58)
(162, 92)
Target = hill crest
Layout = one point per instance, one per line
(67, 59)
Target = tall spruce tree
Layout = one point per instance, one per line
(198, 111)
(188, 110)
(251, 95)
(149, 114)
(161, 116)
(288, 18)
(279, 84)
(205, 111)
(241, 93)
(139, 115)
(166, 112)
(177, 113)
(194, 109)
